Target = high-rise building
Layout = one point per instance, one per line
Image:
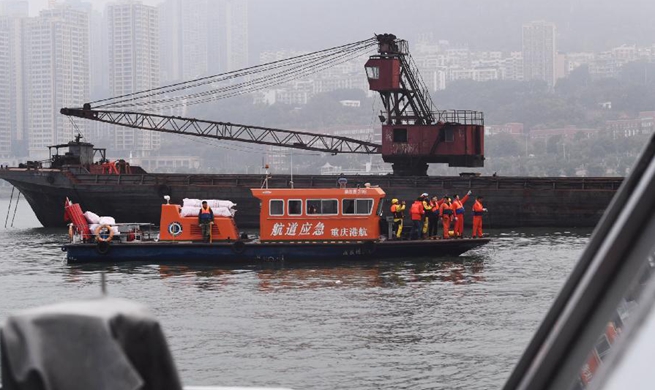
(236, 34)
(184, 33)
(56, 60)
(13, 114)
(539, 51)
(133, 65)
(5, 97)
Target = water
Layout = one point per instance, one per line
(457, 324)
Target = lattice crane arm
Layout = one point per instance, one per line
(227, 131)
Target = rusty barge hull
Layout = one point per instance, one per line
(513, 202)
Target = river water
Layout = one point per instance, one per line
(458, 323)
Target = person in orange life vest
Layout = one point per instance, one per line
(417, 212)
(205, 218)
(458, 209)
(397, 209)
(446, 214)
(433, 217)
(428, 210)
(478, 211)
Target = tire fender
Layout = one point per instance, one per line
(238, 247)
(103, 247)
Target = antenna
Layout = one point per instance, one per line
(291, 181)
(265, 184)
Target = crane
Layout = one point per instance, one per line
(414, 132)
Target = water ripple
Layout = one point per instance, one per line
(459, 323)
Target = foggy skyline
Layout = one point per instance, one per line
(483, 25)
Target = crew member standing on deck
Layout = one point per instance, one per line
(434, 217)
(446, 214)
(478, 211)
(458, 208)
(427, 206)
(205, 219)
(397, 209)
(417, 212)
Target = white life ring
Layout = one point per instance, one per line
(175, 229)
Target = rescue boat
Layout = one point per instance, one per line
(296, 225)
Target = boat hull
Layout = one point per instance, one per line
(266, 253)
(512, 201)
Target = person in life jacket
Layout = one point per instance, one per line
(427, 207)
(446, 214)
(397, 209)
(458, 209)
(433, 217)
(417, 212)
(478, 211)
(205, 219)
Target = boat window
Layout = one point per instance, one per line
(276, 207)
(295, 207)
(322, 206)
(348, 206)
(357, 206)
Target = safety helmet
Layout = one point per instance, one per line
(394, 200)
(424, 194)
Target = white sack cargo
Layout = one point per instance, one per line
(91, 217)
(189, 211)
(107, 221)
(213, 203)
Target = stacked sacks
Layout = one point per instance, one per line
(221, 208)
(96, 221)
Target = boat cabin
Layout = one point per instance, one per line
(322, 214)
(174, 226)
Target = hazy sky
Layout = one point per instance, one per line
(482, 24)
(37, 5)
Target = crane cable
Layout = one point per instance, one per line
(245, 87)
(238, 89)
(304, 64)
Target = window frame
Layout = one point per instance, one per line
(320, 213)
(355, 208)
(374, 73)
(398, 135)
(270, 207)
(289, 207)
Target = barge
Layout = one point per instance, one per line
(135, 194)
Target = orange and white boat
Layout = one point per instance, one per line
(295, 225)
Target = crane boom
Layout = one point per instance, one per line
(226, 131)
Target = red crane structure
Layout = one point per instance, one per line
(414, 133)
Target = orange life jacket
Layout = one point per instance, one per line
(397, 210)
(457, 207)
(478, 210)
(417, 210)
(445, 209)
